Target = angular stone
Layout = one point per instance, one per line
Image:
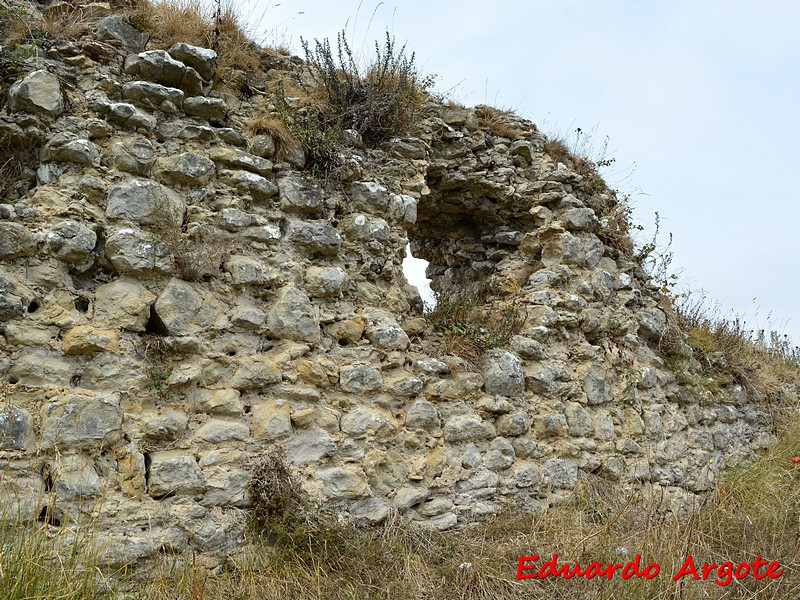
(219, 431)
(316, 237)
(15, 241)
(125, 303)
(81, 421)
(38, 368)
(578, 420)
(16, 428)
(254, 372)
(271, 420)
(132, 251)
(500, 455)
(319, 372)
(348, 331)
(159, 67)
(259, 188)
(167, 427)
(549, 425)
(202, 60)
(512, 424)
(39, 93)
(115, 30)
(151, 95)
(360, 379)
(388, 337)
(466, 428)
(14, 297)
(371, 510)
(362, 422)
(300, 195)
(67, 147)
(342, 483)
(184, 310)
(185, 169)
(245, 270)
(213, 110)
(595, 386)
(70, 241)
(528, 476)
(502, 372)
(218, 402)
(128, 115)
(145, 201)
(174, 472)
(402, 384)
(238, 159)
(324, 282)
(561, 473)
(422, 415)
(84, 339)
(292, 317)
(75, 478)
(309, 447)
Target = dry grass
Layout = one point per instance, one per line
(755, 511)
(276, 129)
(764, 363)
(496, 121)
(471, 327)
(190, 21)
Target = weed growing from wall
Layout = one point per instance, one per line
(379, 101)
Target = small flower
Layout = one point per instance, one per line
(796, 459)
(464, 566)
(621, 550)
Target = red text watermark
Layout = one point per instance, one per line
(722, 574)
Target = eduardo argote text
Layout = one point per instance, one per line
(529, 567)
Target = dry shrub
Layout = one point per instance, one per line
(471, 327)
(379, 101)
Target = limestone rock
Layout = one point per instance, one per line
(466, 428)
(115, 30)
(16, 429)
(220, 431)
(39, 368)
(185, 310)
(151, 95)
(238, 159)
(87, 340)
(259, 188)
(213, 110)
(39, 93)
(502, 372)
(15, 241)
(324, 282)
(145, 201)
(292, 317)
(125, 303)
(159, 67)
(309, 447)
(203, 60)
(271, 420)
(218, 402)
(67, 147)
(81, 421)
(342, 483)
(71, 241)
(174, 472)
(300, 195)
(422, 415)
(255, 371)
(316, 237)
(128, 115)
(166, 427)
(132, 251)
(360, 379)
(185, 169)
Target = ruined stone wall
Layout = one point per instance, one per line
(176, 301)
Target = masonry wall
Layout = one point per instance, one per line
(176, 301)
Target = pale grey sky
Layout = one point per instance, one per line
(700, 102)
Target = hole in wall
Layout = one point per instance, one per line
(46, 516)
(33, 307)
(414, 270)
(155, 325)
(81, 305)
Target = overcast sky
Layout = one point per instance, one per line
(700, 101)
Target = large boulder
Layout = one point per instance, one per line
(37, 93)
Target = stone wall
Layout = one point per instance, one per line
(176, 301)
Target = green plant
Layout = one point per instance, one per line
(379, 101)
